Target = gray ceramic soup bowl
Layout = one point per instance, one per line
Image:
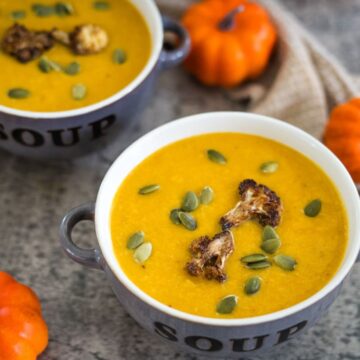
(209, 336)
(65, 134)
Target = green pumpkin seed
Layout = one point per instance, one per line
(269, 233)
(313, 208)
(18, 93)
(63, 9)
(227, 304)
(135, 240)
(252, 285)
(216, 157)
(253, 258)
(143, 252)
(79, 91)
(270, 246)
(73, 68)
(46, 65)
(101, 5)
(174, 216)
(188, 221)
(42, 10)
(119, 56)
(148, 189)
(190, 202)
(207, 195)
(18, 14)
(285, 262)
(269, 167)
(259, 265)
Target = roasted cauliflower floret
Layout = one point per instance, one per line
(26, 45)
(257, 201)
(88, 39)
(210, 255)
(84, 39)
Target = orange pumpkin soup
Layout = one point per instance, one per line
(272, 227)
(69, 77)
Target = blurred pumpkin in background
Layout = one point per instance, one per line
(342, 135)
(232, 41)
(23, 332)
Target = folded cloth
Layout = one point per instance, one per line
(303, 81)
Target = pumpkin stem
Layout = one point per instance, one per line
(228, 22)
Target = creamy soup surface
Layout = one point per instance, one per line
(102, 77)
(317, 243)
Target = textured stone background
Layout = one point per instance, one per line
(86, 322)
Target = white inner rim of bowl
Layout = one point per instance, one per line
(227, 122)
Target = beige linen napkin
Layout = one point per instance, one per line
(303, 81)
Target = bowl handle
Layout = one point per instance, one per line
(170, 58)
(88, 257)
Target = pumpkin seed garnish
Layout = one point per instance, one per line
(269, 167)
(143, 252)
(313, 208)
(187, 220)
(227, 304)
(79, 91)
(73, 68)
(46, 65)
(174, 216)
(18, 14)
(285, 262)
(190, 202)
(207, 195)
(259, 265)
(101, 5)
(119, 56)
(18, 93)
(148, 189)
(42, 10)
(252, 285)
(269, 233)
(216, 157)
(270, 246)
(63, 9)
(135, 240)
(253, 258)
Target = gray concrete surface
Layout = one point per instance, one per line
(86, 322)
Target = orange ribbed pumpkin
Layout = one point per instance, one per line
(232, 41)
(23, 332)
(342, 135)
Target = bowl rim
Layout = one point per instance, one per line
(148, 10)
(336, 280)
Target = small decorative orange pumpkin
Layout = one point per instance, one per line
(23, 332)
(232, 41)
(342, 135)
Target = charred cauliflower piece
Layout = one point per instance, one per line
(26, 45)
(256, 201)
(84, 39)
(210, 255)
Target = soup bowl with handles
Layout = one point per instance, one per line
(65, 134)
(210, 336)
